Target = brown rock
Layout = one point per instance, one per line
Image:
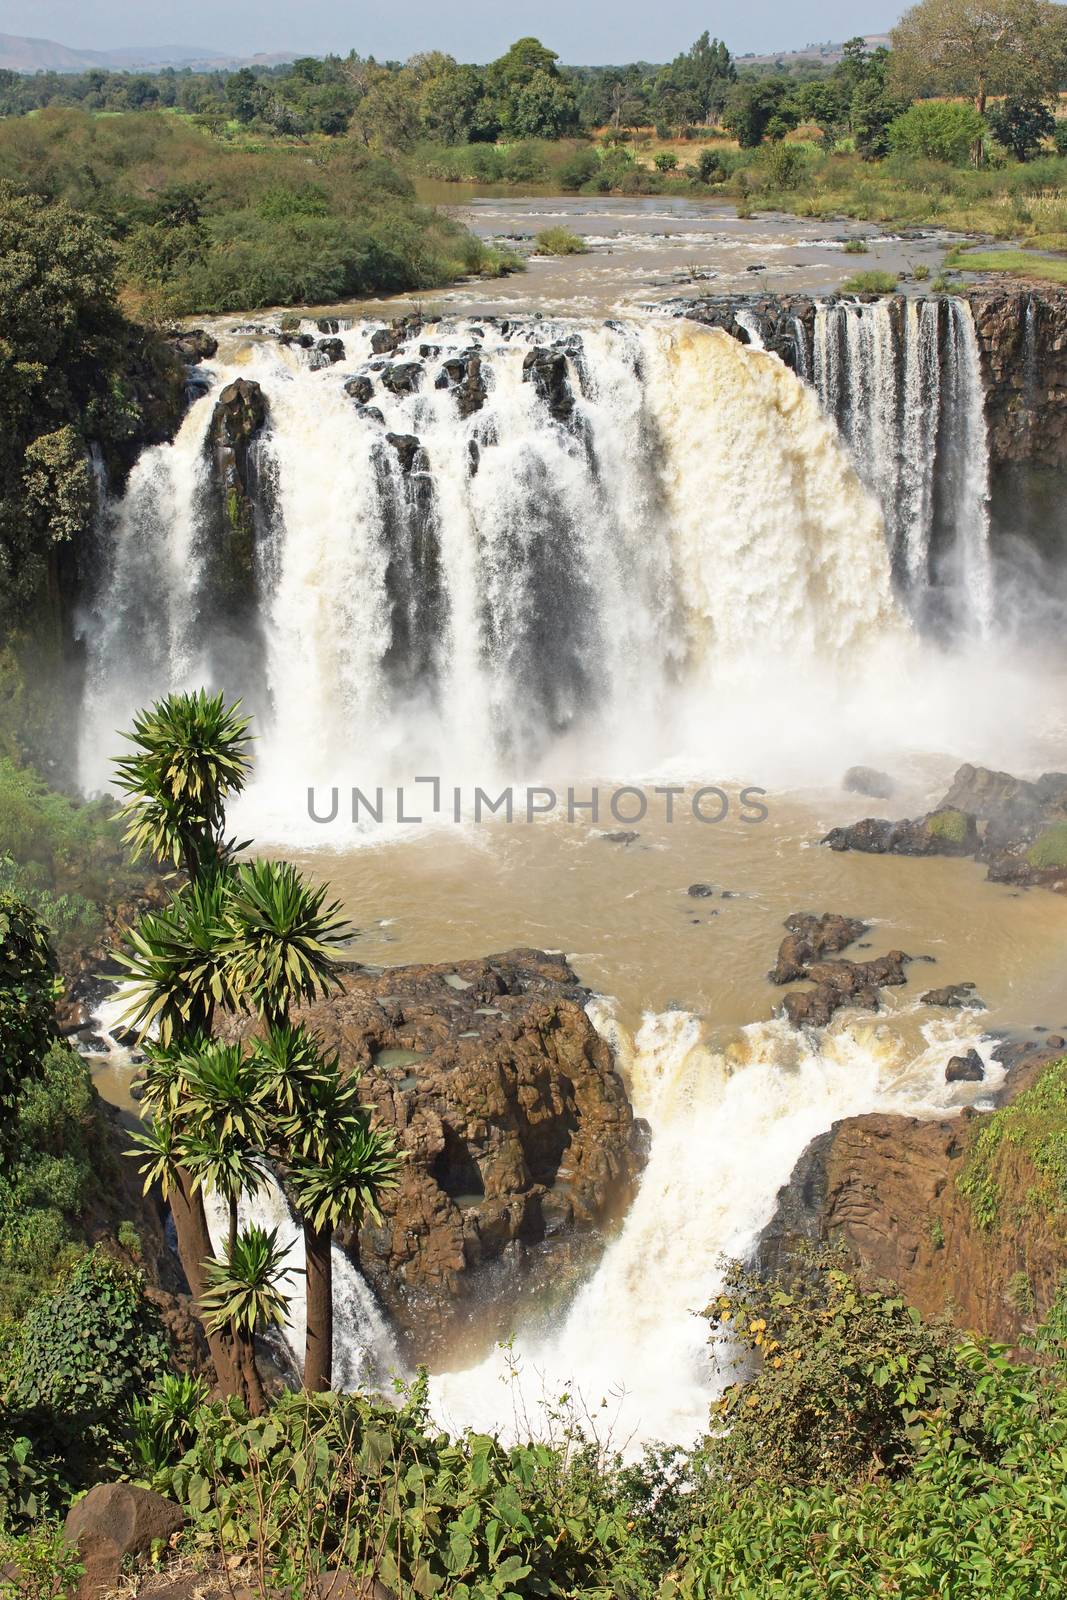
(810, 938)
(113, 1521)
(519, 1137)
(965, 1069)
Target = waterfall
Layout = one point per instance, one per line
(534, 533)
(902, 378)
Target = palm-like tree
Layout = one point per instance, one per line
(243, 1293)
(224, 1164)
(178, 962)
(341, 1183)
(191, 752)
(283, 934)
(289, 1062)
(326, 1110)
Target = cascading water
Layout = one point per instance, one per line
(902, 378)
(627, 520)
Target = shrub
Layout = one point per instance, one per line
(1032, 1130)
(87, 1350)
(784, 164)
(843, 1371)
(1022, 124)
(332, 1480)
(1059, 138)
(941, 130)
(560, 242)
(578, 169)
(47, 1567)
(856, 247)
(1049, 849)
(666, 161)
(28, 990)
(710, 168)
(873, 282)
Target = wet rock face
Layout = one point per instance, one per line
(359, 388)
(195, 344)
(803, 956)
(868, 781)
(1022, 334)
(1001, 820)
(464, 376)
(520, 1140)
(965, 1069)
(884, 1188)
(954, 997)
(402, 377)
(811, 938)
(547, 371)
(239, 417)
(385, 340)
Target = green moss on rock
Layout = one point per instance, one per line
(950, 824)
(1049, 849)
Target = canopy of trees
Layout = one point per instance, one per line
(981, 48)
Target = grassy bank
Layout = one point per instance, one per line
(202, 226)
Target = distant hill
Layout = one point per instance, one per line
(828, 53)
(19, 54)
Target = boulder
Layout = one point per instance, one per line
(868, 781)
(385, 340)
(944, 832)
(464, 376)
(406, 445)
(195, 344)
(113, 1521)
(700, 891)
(810, 938)
(520, 1142)
(843, 983)
(332, 349)
(547, 371)
(965, 1069)
(955, 996)
(360, 388)
(402, 377)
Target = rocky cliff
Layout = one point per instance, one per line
(521, 1146)
(990, 1250)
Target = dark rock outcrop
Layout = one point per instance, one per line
(547, 371)
(236, 509)
(1017, 827)
(194, 344)
(384, 341)
(954, 996)
(965, 1069)
(407, 447)
(360, 388)
(464, 376)
(331, 350)
(402, 377)
(812, 938)
(520, 1141)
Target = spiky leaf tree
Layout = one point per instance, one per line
(191, 753)
(177, 963)
(283, 939)
(341, 1182)
(244, 1291)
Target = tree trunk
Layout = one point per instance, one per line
(980, 98)
(318, 1347)
(234, 1360)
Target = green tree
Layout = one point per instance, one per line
(29, 986)
(1022, 125)
(980, 47)
(752, 105)
(940, 130)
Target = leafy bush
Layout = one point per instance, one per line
(710, 167)
(47, 1567)
(1022, 124)
(578, 169)
(331, 1480)
(856, 247)
(1049, 849)
(86, 1351)
(941, 130)
(784, 165)
(873, 282)
(55, 1167)
(666, 161)
(560, 242)
(843, 1374)
(1021, 1148)
(28, 991)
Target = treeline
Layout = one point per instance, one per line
(523, 94)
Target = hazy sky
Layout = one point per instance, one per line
(474, 30)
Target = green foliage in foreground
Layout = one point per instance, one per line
(54, 1168)
(938, 130)
(28, 989)
(1022, 1147)
(84, 1353)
